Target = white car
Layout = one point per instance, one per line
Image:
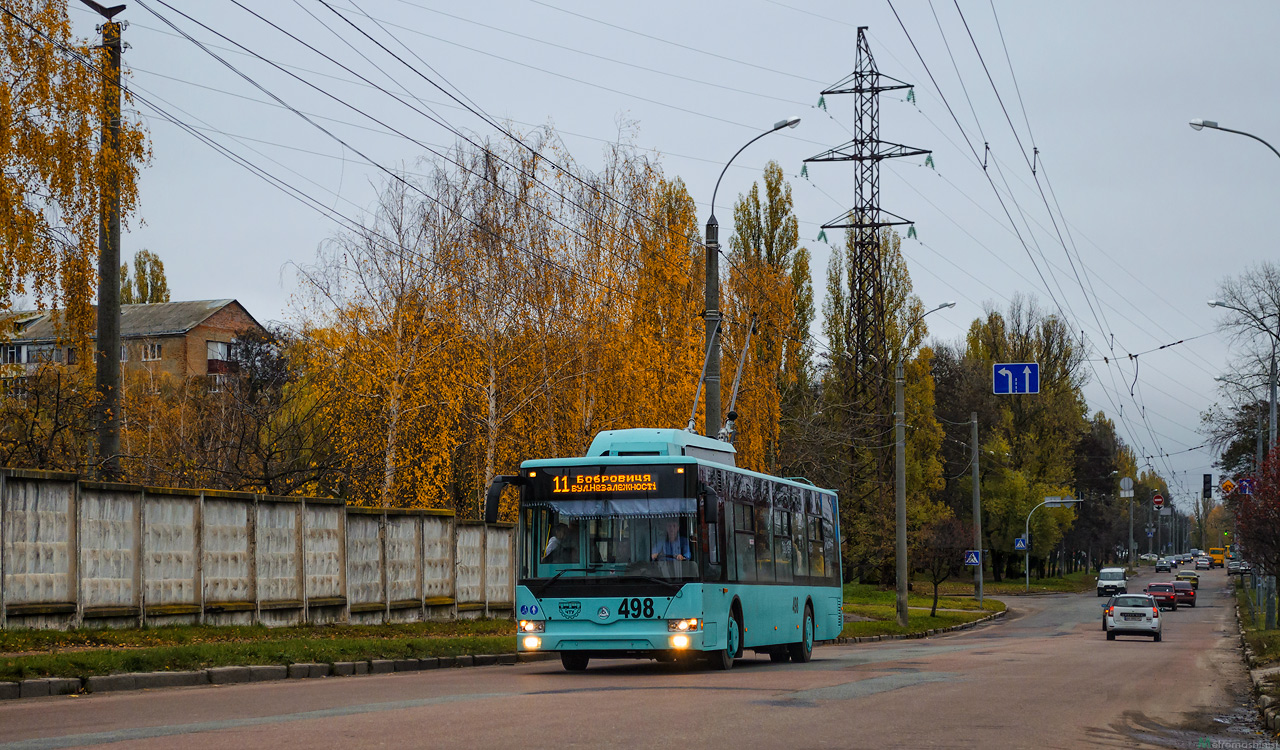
(1111, 581)
(1204, 563)
(1132, 614)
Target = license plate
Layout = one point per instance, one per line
(1129, 616)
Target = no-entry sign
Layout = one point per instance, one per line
(1158, 500)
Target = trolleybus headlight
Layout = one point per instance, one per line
(683, 626)
(532, 642)
(680, 641)
(533, 626)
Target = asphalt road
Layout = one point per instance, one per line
(1044, 677)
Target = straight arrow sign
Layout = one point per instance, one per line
(1009, 378)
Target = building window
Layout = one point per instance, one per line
(124, 353)
(218, 350)
(150, 352)
(72, 356)
(12, 354)
(44, 353)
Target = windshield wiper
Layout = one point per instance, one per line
(675, 585)
(544, 586)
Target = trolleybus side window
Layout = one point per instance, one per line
(744, 542)
(817, 562)
(782, 544)
(764, 543)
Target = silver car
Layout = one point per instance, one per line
(1132, 614)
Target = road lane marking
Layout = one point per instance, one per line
(143, 733)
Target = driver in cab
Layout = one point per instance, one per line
(672, 546)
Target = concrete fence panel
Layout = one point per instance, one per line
(110, 551)
(437, 561)
(279, 561)
(171, 571)
(227, 559)
(404, 565)
(469, 562)
(324, 552)
(364, 565)
(38, 560)
(499, 585)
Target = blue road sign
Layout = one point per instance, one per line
(1150, 533)
(1015, 377)
(1245, 486)
(1019, 544)
(973, 557)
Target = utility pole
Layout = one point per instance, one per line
(106, 411)
(900, 489)
(1150, 542)
(977, 507)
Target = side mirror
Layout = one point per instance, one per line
(494, 495)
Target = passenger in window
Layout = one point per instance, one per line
(673, 546)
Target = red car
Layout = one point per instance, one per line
(1164, 594)
(1185, 591)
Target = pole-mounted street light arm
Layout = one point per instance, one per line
(1198, 123)
(790, 122)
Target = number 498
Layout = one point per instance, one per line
(635, 608)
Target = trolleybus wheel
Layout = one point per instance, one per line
(723, 659)
(802, 652)
(573, 661)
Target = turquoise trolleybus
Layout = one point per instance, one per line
(654, 545)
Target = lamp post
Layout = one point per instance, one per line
(1026, 532)
(1199, 124)
(900, 461)
(711, 423)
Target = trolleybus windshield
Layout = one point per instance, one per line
(610, 522)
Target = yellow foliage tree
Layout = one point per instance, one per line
(53, 167)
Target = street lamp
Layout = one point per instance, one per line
(711, 368)
(1054, 502)
(900, 460)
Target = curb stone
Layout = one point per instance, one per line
(47, 686)
(922, 634)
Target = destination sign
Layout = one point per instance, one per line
(616, 481)
(604, 483)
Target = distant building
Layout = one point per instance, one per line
(179, 338)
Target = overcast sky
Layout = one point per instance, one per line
(1155, 213)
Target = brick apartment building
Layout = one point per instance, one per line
(179, 338)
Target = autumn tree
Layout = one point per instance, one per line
(941, 554)
(768, 288)
(53, 165)
(857, 436)
(147, 284)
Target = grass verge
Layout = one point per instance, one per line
(1265, 643)
(856, 594)
(883, 621)
(27, 654)
(20, 642)
(1079, 581)
(205, 655)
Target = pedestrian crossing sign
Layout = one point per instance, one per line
(973, 557)
(1019, 544)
